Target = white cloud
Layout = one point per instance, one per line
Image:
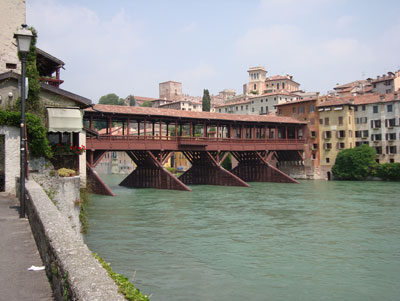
(96, 50)
(344, 22)
(314, 63)
(199, 77)
(189, 27)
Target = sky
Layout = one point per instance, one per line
(130, 46)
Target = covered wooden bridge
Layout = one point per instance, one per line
(150, 135)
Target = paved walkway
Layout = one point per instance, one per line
(17, 253)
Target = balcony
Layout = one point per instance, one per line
(51, 81)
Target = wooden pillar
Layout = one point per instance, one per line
(230, 130)
(191, 129)
(204, 130)
(176, 129)
(138, 127)
(91, 123)
(110, 125)
(217, 130)
(160, 129)
(128, 127)
(167, 134)
(286, 132)
(242, 131)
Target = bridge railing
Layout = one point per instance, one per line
(195, 139)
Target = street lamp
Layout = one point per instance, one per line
(23, 37)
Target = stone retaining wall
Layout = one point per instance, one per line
(73, 271)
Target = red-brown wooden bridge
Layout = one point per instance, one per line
(150, 136)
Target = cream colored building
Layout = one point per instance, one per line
(12, 16)
(336, 131)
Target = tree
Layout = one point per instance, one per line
(147, 104)
(132, 100)
(389, 171)
(111, 99)
(206, 101)
(355, 163)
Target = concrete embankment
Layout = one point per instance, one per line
(72, 270)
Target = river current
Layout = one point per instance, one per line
(315, 240)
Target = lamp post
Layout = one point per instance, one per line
(23, 37)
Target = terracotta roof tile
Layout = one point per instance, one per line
(308, 99)
(155, 112)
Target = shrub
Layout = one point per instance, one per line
(171, 169)
(65, 172)
(388, 171)
(355, 163)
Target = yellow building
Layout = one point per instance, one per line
(336, 131)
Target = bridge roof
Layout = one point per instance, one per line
(169, 113)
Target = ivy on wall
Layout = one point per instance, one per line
(37, 140)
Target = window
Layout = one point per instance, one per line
(376, 137)
(365, 134)
(266, 109)
(341, 134)
(363, 119)
(340, 121)
(311, 108)
(358, 134)
(375, 109)
(252, 109)
(237, 108)
(375, 124)
(388, 91)
(219, 110)
(11, 66)
(327, 160)
(326, 120)
(255, 86)
(321, 121)
(390, 136)
(247, 107)
(378, 150)
(315, 146)
(327, 146)
(327, 134)
(391, 149)
(389, 108)
(294, 110)
(241, 108)
(313, 156)
(391, 160)
(313, 134)
(363, 107)
(356, 108)
(262, 110)
(389, 123)
(262, 100)
(357, 120)
(226, 109)
(340, 145)
(277, 86)
(301, 109)
(283, 85)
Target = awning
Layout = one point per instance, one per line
(65, 120)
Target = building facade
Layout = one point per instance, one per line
(306, 110)
(336, 131)
(377, 124)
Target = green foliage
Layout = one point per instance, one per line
(355, 163)
(65, 172)
(388, 171)
(254, 92)
(147, 104)
(125, 286)
(227, 164)
(171, 169)
(206, 101)
(111, 99)
(132, 100)
(37, 139)
(83, 215)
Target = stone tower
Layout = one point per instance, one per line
(257, 76)
(12, 15)
(170, 90)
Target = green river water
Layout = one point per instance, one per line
(316, 240)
